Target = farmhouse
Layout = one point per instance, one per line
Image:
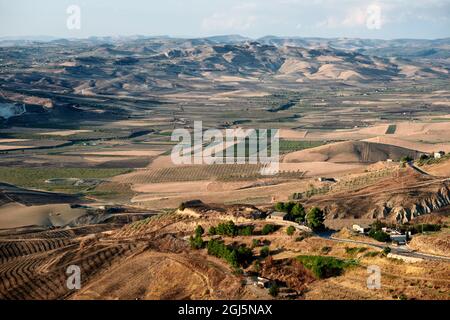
(279, 216)
(360, 229)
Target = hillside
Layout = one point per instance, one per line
(351, 151)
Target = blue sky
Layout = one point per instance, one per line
(253, 18)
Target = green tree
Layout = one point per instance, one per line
(268, 228)
(290, 230)
(264, 252)
(379, 235)
(196, 242)
(315, 219)
(212, 231)
(199, 231)
(279, 207)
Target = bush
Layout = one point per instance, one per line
(256, 243)
(264, 252)
(386, 251)
(234, 256)
(273, 290)
(212, 231)
(199, 231)
(196, 242)
(231, 230)
(406, 159)
(354, 250)
(227, 229)
(268, 229)
(325, 267)
(379, 235)
(246, 231)
(290, 230)
(325, 250)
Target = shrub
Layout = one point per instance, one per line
(379, 235)
(196, 242)
(199, 231)
(406, 159)
(290, 230)
(246, 231)
(231, 230)
(386, 251)
(325, 250)
(325, 267)
(354, 250)
(273, 290)
(279, 207)
(256, 243)
(227, 229)
(212, 231)
(264, 252)
(268, 229)
(234, 256)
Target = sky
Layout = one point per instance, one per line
(380, 19)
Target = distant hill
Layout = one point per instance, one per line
(352, 151)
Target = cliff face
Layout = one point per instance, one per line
(398, 206)
(426, 205)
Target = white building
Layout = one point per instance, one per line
(438, 155)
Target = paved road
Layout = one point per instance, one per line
(400, 250)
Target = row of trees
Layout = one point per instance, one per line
(230, 229)
(235, 256)
(314, 218)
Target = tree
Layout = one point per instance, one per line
(268, 228)
(298, 213)
(199, 231)
(196, 242)
(279, 206)
(315, 219)
(290, 230)
(379, 235)
(212, 231)
(264, 252)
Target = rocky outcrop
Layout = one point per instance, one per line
(395, 206)
(424, 206)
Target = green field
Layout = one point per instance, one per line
(287, 146)
(35, 177)
(391, 129)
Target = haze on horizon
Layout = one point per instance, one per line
(253, 18)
